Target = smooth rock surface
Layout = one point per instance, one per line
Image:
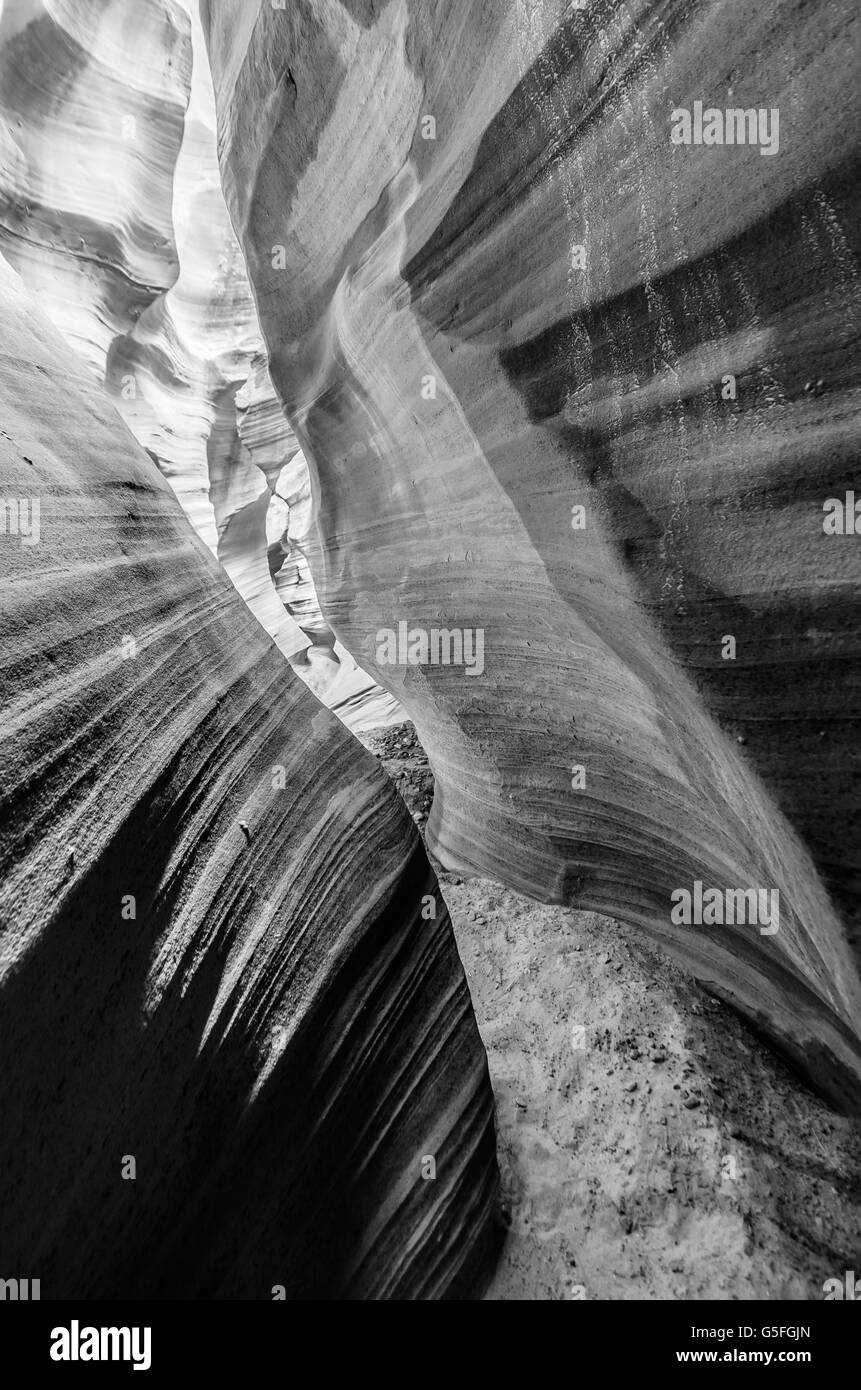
(493, 291)
(112, 212)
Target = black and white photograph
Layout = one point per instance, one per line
(430, 669)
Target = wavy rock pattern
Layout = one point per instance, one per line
(111, 210)
(88, 144)
(229, 980)
(503, 294)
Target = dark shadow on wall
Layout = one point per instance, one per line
(232, 1198)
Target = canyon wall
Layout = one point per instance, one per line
(565, 383)
(233, 1021)
(111, 210)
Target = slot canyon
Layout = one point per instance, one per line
(431, 825)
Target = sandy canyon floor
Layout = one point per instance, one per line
(650, 1146)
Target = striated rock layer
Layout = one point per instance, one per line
(503, 310)
(112, 212)
(231, 1029)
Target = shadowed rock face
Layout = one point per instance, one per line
(494, 292)
(213, 956)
